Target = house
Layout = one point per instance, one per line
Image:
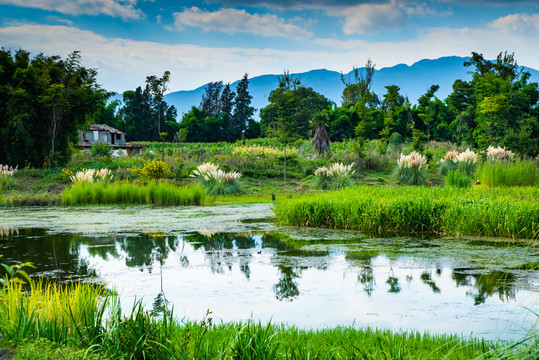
(107, 135)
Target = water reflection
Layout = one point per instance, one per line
(248, 273)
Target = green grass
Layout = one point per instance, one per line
(158, 193)
(512, 212)
(83, 321)
(505, 173)
(457, 178)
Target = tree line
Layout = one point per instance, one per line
(45, 100)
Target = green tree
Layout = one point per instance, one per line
(243, 111)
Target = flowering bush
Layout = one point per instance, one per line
(338, 176)
(215, 180)
(412, 169)
(154, 170)
(498, 153)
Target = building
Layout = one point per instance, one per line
(105, 134)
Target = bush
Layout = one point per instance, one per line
(100, 150)
(154, 170)
(338, 176)
(216, 181)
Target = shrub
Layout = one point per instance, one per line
(100, 150)
(411, 169)
(498, 153)
(154, 170)
(216, 181)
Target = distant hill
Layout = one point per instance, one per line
(413, 80)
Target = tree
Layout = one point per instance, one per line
(243, 111)
(158, 87)
(211, 102)
(320, 140)
(43, 102)
(359, 89)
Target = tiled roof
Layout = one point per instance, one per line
(103, 127)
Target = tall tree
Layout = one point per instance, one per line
(211, 102)
(158, 87)
(243, 111)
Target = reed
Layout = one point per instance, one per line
(85, 317)
(506, 173)
(157, 193)
(510, 212)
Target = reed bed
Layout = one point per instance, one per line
(83, 316)
(506, 212)
(506, 173)
(157, 193)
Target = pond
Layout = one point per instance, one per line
(231, 261)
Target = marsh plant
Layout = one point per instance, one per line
(217, 181)
(412, 169)
(464, 162)
(508, 173)
(499, 153)
(89, 176)
(338, 176)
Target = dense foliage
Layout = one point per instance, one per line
(43, 102)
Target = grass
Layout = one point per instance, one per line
(456, 178)
(157, 193)
(510, 212)
(506, 173)
(84, 321)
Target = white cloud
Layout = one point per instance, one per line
(124, 64)
(115, 8)
(233, 21)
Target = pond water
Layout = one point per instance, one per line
(232, 261)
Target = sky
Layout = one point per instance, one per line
(221, 40)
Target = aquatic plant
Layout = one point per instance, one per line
(158, 193)
(217, 181)
(498, 153)
(506, 173)
(411, 169)
(6, 170)
(338, 176)
(510, 212)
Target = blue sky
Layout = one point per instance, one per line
(212, 40)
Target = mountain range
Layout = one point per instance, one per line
(414, 80)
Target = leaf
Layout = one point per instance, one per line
(9, 269)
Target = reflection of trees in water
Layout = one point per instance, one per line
(287, 286)
(56, 255)
(426, 278)
(143, 250)
(222, 250)
(487, 284)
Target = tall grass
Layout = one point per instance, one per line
(506, 173)
(85, 317)
(158, 193)
(510, 212)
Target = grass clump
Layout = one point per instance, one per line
(217, 181)
(489, 212)
(456, 178)
(507, 173)
(157, 193)
(338, 176)
(412, 169)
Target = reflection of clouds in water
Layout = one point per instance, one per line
(311, 279)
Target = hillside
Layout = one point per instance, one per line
(413, 80)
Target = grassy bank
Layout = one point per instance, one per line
(157, 193)
(509, 212)
(89, 320)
